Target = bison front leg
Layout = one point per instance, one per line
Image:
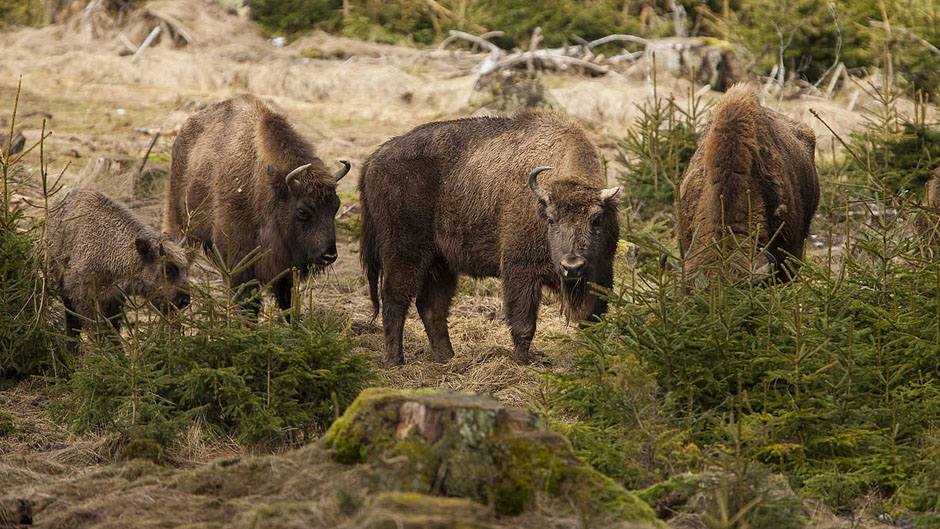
(521, 299)
(283, 290)
(434, 305)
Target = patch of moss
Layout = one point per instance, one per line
(142, 448)
(7, 425)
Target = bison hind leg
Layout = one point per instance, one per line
(433, 304)
(401, 283)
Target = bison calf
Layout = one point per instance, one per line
(469, 197)
(753, 174)
(241, 179)
(100, 252)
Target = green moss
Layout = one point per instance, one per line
(7, 425)
(143, 448)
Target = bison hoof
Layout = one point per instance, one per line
(391, 362)
(443, 357)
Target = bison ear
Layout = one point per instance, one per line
(610, 193)
(277, 183)
(144, 248)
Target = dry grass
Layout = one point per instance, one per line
(347, 97)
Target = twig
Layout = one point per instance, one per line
(618, 37)
(533, 44)
(143, 161)
(127, 42)
(153, 35)
(933, 49)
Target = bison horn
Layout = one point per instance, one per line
(538, 190)
(293, 174)
(340, 173)
(610, 193)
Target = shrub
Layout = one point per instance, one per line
(656, 152)
(263, 382)
(29, 345)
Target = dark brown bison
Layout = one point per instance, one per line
(469, 197)
(100, 252)
(241, 179)
(927, 222)
(753, 174)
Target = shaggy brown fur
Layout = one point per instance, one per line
(927, 223)
(228, 189)
(754, 173)
(100, 251)
(453, 197)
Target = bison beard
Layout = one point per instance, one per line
(451, 198)
(753, 174)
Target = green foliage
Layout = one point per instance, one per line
(295, 16)
(261, 382)
(21, 12)
(830, 380)
(28, 343)
(656, 152)
(7, 424)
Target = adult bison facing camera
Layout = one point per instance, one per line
(472, 196)
(242, 178)
(754, 173)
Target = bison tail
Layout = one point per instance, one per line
(731, 146)
(369, 257)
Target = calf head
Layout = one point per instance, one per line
(162, 272)
(579, 220)
(304, 213)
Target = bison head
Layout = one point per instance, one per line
(162, 272)
(580, 220)
(305, 209)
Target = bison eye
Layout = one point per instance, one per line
(171, 270)
(302, 214)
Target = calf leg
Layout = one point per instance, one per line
(521, 299)
(73, 326)
(433, 305)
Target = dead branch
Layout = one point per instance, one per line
(150, 38)
(143, 161)
(911, 35)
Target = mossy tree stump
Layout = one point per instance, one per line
(468, 446)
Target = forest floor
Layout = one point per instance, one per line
(347, 97)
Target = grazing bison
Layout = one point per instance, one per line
(753, 173)
(242, 178)
(927, 223)
(100, 252)
(469, 197)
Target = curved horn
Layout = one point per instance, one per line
(340, 173)
(183, 241)
(607, 194)
(293, 174)
(771, 259)
(538, 190)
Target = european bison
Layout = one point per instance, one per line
(243, 178)
(753, 173)
(100, 252)
(469, 197)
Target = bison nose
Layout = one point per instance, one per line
(181, 301)
(327, 258)
(572, 265)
